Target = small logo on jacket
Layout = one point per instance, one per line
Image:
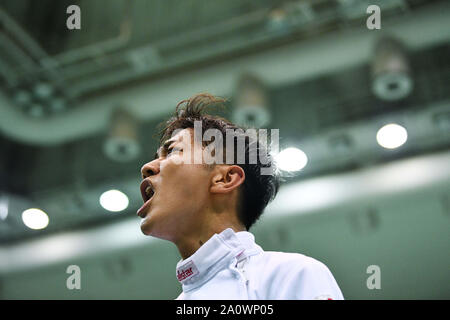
(183, 274)
(186, 272)
(323, 297)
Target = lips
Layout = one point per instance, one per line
(147, 193)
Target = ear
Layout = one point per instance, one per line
(227, 178)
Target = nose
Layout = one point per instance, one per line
(149, 169)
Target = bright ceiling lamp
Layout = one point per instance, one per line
(291, 159)
(4, 207)
(35, 218)
(392, 136)
(114, 200)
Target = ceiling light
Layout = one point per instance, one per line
(57, 104)
(291, 159)
(43, 90)
(122, 143)
(35, 219)
(114, 200)
(4, 207)
(22, 97)
(391, 74)
(442, 121)
(392, 136)
(36, 110)
(251, 102)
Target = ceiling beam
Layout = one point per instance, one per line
(310, 58)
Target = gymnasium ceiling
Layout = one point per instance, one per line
(58, 87)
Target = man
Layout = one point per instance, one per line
(207, 207)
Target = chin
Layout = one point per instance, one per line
(146, 227)
(144, 230)
(149, 229)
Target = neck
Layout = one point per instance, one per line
(188, 244)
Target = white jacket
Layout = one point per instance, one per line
(232, 266)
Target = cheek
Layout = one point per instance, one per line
(184, 183)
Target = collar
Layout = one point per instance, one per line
(214, 255)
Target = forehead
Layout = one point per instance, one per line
(183, 135)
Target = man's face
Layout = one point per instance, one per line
(181, 189)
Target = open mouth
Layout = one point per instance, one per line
(147, 190)
(147, 193)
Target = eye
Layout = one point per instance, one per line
(170, 150)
